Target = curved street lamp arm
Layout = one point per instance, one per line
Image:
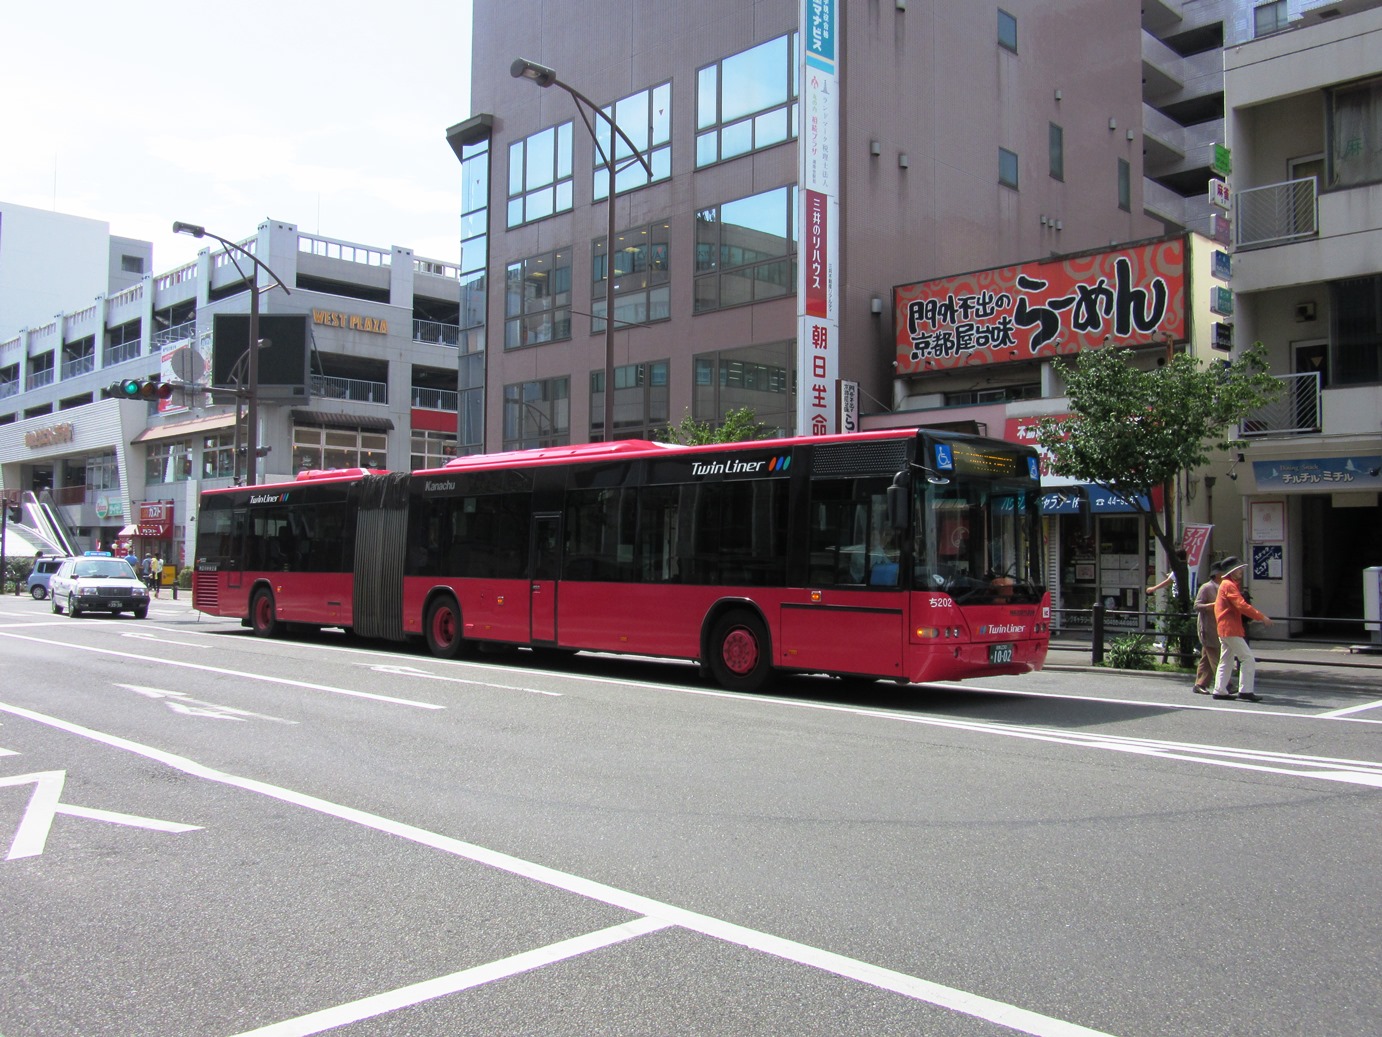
(545, 77)
(198, 231)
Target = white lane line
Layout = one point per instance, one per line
(1336, 713)
(67, 645)
(428, 990)
(413, 671)
(827, 961)
(1236, 708)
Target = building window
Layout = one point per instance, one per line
(1056, 145)
(746, 250)
(537, 299)
(1007, 31)
(40, 371)
(132, 264)
(540, 175)
(1125, 185)
(537, 414)
(168, 462)
(432, 449)
(1269, 18)
(758, 377)
(641, 275)
(1357, 332)
(646, 118)
(470, 405)
(747, 101)
(1355, 135)
(102, 473)
(318, 448)
(1007, 167)
(1001, 394)
(640, 401)
(218, 456)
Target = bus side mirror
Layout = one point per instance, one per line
(899, 501)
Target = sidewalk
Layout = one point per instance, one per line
(1302, 663)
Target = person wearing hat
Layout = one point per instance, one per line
(1229, 609)
(1208, 629)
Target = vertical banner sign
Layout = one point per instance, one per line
(818, 173)
(848, 395)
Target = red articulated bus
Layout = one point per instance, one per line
(908, 555)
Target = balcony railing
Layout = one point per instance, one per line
(167, 336)
(1295, 412)
(436, 333)
(1276, 214)
(38, 379)
(123, 351)
(9, 388)
(435, 399)
(354, 389)
(78, 365)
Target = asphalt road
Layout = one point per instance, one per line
(203, 833)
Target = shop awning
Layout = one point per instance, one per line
(177, 429)
(334, 419)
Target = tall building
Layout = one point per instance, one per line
(1304, 125)
(51, 260)
(935, 138)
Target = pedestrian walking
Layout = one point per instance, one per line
(156, 572)
(1230, 608)
(1208, 627)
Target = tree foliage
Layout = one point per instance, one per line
(739, 425)
(1131, 430)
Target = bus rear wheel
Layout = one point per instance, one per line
(263, 618)
(739, 652)
(445, 639)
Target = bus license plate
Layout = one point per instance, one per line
(1000, 653)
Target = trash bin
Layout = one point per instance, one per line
(1372, 602)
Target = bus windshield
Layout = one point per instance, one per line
(978, 540)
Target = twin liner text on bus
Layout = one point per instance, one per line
(908, 555)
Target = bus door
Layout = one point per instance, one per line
(546, 555)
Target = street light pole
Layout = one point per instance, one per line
(252, 363)
(545, 77)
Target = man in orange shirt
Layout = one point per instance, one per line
(1229, 609)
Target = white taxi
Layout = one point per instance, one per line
(98, 584)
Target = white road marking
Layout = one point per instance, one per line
(143, 636)
(413, 671)
(226, 673)
(428, 990)
(1335, 713)
(960, 1001)
(32, 834)
(179, 702)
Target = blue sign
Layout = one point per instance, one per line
(1320, 474)
(945, 459)
(1267, 562)
(1033, 468)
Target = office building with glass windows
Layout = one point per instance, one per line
(794, 163)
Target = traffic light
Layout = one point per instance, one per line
(134, 389)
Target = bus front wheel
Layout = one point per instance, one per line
(739, 652)
(263, 618)
(443, 627)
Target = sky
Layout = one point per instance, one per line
(331, 116)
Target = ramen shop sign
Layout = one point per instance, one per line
(1124, 297)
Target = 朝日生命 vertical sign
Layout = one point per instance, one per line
(818, 172)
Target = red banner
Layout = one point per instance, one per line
(155, 519)
(1123, 297)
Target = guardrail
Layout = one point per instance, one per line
(1098, 631)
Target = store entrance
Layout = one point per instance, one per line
(1339, 543)
(1103, 559)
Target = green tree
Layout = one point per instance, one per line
(738, 426)
(1131, 430)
